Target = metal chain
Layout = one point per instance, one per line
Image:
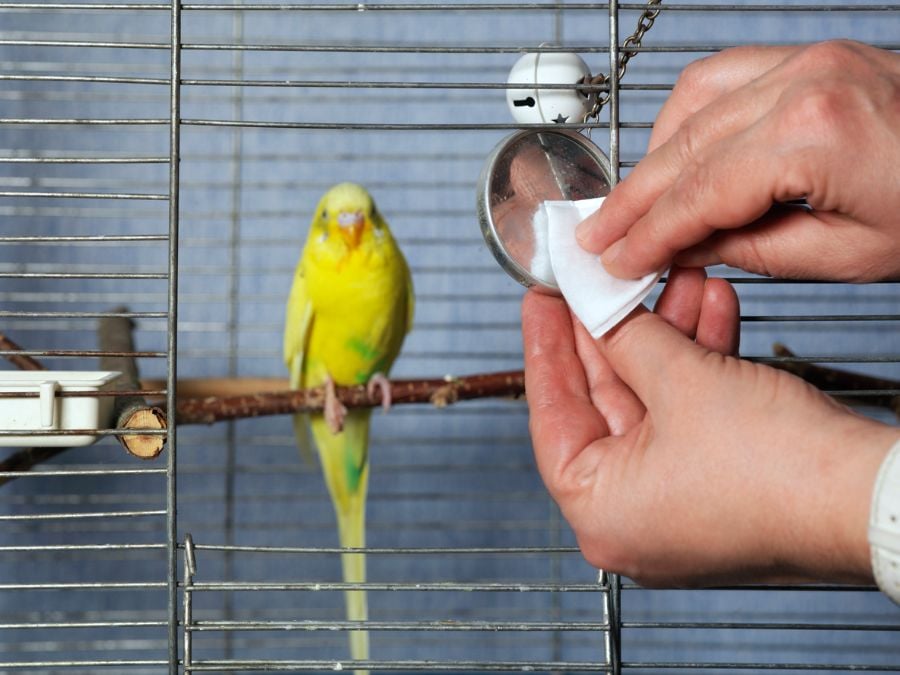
(645, 23)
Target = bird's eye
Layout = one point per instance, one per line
(324, 214)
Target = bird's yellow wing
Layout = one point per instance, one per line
(298, 320)
(410, 291)
(410, 301)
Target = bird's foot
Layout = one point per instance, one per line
(334, 410)
(379, 381)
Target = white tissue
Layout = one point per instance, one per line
(597, 298)
(541, 268)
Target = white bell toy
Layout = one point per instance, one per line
(531, 104)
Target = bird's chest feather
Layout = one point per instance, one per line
(359, 308)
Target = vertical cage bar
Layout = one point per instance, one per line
(172, 328)
(237, 149)
(557, 576)
(190, 568)
(614, 601)
(555, 525)
(613, 597)
(613, 83)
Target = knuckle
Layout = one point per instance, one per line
(687, 141)
(758, 253)
(823, 106)
(711, 76)
(708, 76)
(816, 114)
(692, 182)
(833, 91)
(695, 186)
(694, 78)
(831, 56)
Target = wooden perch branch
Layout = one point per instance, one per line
(201, 402)
(210, 408)
(115, 336)
(195, 387)
(20, 361)
(438, 392)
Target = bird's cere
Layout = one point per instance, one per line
(350, 219)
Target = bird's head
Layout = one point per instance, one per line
(346, 213)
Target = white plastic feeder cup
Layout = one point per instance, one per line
(43, 410)
(530, 104)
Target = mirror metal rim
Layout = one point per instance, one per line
(483, 205)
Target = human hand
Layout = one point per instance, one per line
(745, 131)
(678, 464)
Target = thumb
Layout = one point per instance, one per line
(650, 355)
(791, 242)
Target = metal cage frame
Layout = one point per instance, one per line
(181, 589)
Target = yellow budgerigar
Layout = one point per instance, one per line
(351, 305)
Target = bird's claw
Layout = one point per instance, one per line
(334, 410)
(379, 381)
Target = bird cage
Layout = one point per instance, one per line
(160, 164)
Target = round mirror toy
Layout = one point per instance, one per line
(537, 185)
(521, 173)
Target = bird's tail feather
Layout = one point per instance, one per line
(304, 440)
(352, 535)
(344, 458)
(301, 420)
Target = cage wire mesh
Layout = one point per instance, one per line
(471, 567)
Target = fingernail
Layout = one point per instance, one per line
(612, 253)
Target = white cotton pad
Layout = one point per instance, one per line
(540, 267)
(597, 298)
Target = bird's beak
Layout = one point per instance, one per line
(350, 226)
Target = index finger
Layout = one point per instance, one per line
(563, 419)
(689, 130)
(707, 79)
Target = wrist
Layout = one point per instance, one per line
(872, 444)
(837, 524)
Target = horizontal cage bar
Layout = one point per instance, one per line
(423, 626)
(533, 6)
(487, 666)
(492, 587)
(388, 551)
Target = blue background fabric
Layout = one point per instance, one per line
(462, 477)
